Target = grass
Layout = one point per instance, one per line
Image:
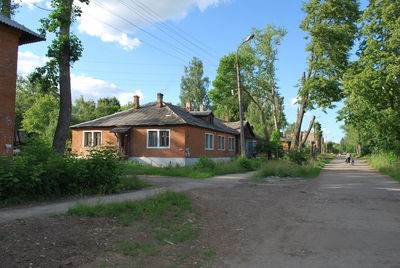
(204, 168)
(130, 182)
(386, 162)
(134, 249)
(286, 168)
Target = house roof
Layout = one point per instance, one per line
(27, 36)
(249, 133)
(150, 115)
(203, 113)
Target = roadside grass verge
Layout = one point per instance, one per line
(386, 162)
(168, 224)
(286, 168)
(204, 168)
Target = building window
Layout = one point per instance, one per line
(91, 138)
(209, 141)
(158, 138)
(221, 143)
(231, 143)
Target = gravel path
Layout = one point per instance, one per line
(347, 217)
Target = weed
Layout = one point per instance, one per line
(386, 162)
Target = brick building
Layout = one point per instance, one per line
(159, 133)
(12, 35)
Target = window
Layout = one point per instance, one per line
(221, 143)
(209, 141)
(158, 138)
(91, 138)
(231, 143)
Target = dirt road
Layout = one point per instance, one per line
(348, 217)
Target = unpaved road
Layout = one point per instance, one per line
(348, 217)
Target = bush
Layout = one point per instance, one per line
(298, 157)
(39, 173)
(205, 163)
(387, 163)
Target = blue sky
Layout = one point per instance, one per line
(121, 60)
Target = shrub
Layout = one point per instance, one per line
(298, 157)
(39, 173)
(205, 163)
(387, 163)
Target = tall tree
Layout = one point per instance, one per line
(224, 93)
(194, 86)
(106, 106)
(65, 49)
(372, 84)
(331, 28)
(83, 111)
(8, 7)
(263, 91)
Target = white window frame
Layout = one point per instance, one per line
(233, 143)
(205, 142)
(92, 134)
(158, 139)
(219, 147)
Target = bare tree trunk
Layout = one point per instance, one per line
(308, 132)
(274, 109)
(64, 117)
(6, 8)
(300, 115)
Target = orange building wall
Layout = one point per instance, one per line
(9, 41)
(185, 141)
(77, 139)
(195, 140)
(138, 142)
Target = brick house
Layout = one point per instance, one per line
(159, 133)
(250, 137)
(12, 35)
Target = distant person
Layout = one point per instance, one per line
(348, 158)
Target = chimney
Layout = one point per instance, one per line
(201, 107)
(136, 104)
(160, 100)
(188, 106)
(226, 118)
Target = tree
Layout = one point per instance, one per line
(107, 106)
(372, 83)
(83, 111)
(224, 93)
(65, 49)
(331, 28)
(8, 8)
(262, 92)
(194, 86)
(41, 117)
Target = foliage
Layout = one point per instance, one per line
(41, 117)
(224, 93)
(39, 173)
(204, 168)
(285, 168)
(372, 88)
(387, 163)
(194, 86)
(83, 111)
(8, 8)
(298, 157)
(331, 28)
(107, 106)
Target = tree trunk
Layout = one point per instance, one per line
(300, 115)
(64, 117)
(6, 8)
(308, 132)
(274, 109)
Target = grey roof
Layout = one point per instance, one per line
(150, 115)
(235, 125)
(27, 36)
(203, 113)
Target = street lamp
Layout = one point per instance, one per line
(242, 144)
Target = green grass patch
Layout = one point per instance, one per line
(204, 168)
(386, 162)
(286, 168)
(128, 183)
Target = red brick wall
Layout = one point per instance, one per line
(8, 74)
(181, 137)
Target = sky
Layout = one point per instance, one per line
(140, 47)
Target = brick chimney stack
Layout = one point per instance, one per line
(201, 107)
(136, 104)
(188, 104)
(160, 100)
(226, 118)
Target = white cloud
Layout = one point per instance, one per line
(293, 102)
(93, 88)
(116, 29)
(27, 62)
